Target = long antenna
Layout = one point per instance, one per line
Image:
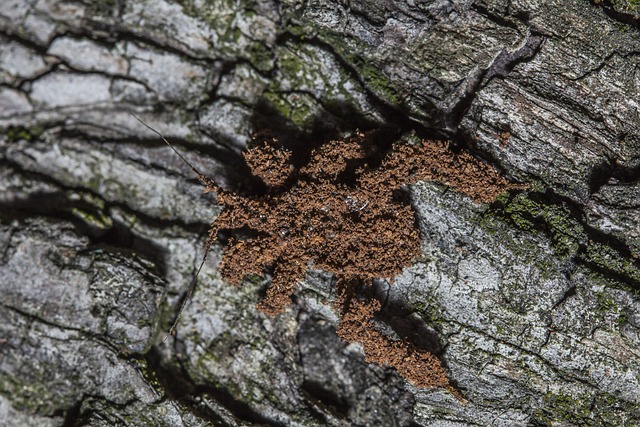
(193, 168)
(192, 286)
(187, 297)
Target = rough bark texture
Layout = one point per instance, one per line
(531, 302)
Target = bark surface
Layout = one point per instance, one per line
(531, 302)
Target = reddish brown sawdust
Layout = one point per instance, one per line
(421, 368)
(359, 231)
(503, 138)
(266, 161)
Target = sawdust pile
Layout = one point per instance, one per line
(343, 213)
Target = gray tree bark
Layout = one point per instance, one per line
(531, 303)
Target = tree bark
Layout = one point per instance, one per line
(531, 302)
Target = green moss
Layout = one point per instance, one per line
(149, 375)
(632, 6)
(295, 107)
(522, 245)
(568, 237)
(260, 56)
(502, 199)
(221, 16)
(98, 220)
(603, 409)
(607, 309)
(20, 133)
(606, 302)
(561, 408)
(209, 11)
(36, 395)
(623, 6)
(609, 259)
(374, 79)
(377, 82)
(104, 7)
(290, 65)
(371, 74)
(566, 233)
(623, 318)
(301, 31)
(429, 310)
